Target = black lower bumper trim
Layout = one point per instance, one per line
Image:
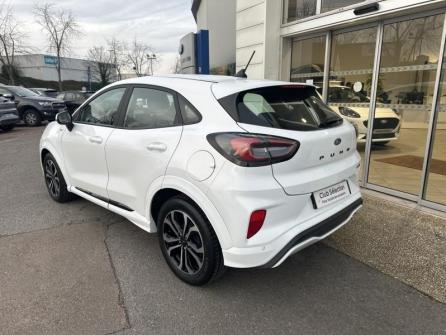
(318, 230)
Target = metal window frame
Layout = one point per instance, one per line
(372, 107)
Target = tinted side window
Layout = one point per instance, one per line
(188, 112)
(3, 91)
(103, 110)
(150, 108)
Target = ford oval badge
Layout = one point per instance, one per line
(337, 141)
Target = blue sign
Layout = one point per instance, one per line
(202, 47)
(50, 60)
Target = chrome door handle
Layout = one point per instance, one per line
(157, 146)
(95, 139)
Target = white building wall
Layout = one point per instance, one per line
(218, 17)
(250, 36)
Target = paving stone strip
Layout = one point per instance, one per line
(405, 243)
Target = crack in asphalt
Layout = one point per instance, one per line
(121, 300)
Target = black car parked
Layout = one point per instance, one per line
(8, 114)
(45, 92)
(73, 99)
(32, 108)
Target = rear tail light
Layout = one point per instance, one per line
(253, 149)
(256, 222)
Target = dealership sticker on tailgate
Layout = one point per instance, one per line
(331, 194)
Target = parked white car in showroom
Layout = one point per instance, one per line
(229, 171)
(354, 107)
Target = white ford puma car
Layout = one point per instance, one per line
(387, 122)
(229, 171)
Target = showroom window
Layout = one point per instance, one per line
(328, 5)
(299, 9)
(295, 10)
(308, 61)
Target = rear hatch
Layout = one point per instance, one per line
(327, 145)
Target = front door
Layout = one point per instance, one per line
(140, 150)
(84, 147)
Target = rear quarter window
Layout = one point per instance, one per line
(290, 107)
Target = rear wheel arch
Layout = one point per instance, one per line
(200, 201)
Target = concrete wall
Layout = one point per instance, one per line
(218, 17)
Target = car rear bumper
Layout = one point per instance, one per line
(301, 236)
(8, 118)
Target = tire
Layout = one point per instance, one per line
(8, 127)
(32, 118)
(193, 252)
(54, 181)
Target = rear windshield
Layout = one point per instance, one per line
(289, 107)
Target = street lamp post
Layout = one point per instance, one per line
(151, 57)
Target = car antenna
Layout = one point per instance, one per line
(242, 72)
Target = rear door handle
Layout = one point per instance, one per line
(95, 139)
(157, 146)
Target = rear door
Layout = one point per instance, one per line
(84, 146)
(327, 153)
(139, 151)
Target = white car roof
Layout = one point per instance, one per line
(221, 86)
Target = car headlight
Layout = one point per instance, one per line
(349, 112)
(45, 103)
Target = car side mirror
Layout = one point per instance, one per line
(8, 96)
(65, 118)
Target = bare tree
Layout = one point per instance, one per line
(118, 55)
(176, 68)
(61, 27)
(138, 58)
(101, 65)
(11, 41)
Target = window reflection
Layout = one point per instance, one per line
(299, 9)
(307, 61)
(351, 70)
(405, 86)
(436, 185)
(328, 5)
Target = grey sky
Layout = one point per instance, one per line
(159, 23)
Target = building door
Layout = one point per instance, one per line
(405, 90)
(350, 78)
(435, 185)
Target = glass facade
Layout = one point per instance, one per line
(295, 10)
(406, 83)
(436, 177)
(351, 70)
(328, 5)
(307, 62)
(299, 9)
(383, 78)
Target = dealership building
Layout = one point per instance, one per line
(380, 64)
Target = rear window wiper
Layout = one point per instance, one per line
(331, 122)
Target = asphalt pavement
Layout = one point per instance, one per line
(79, 269)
